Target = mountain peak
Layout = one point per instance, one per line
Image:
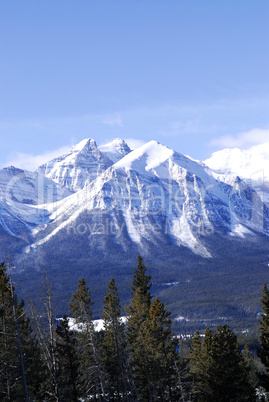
(115, 150)
(82, 164)
(251, 164)
(148, 156)
(242, 162)
(84, 145)
(12, 169)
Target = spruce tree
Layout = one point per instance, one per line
(197, 366)
(220, 373)
(264, 336)
(138, 315)
(91, 378)
(160, 349)
(228, 370)
(251, 365)
(67, 361)
(151, 345)
(114, 347)
(19, 353)
(140, 303)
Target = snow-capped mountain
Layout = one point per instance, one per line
(24, 187)
(252, 165)
(83, 163)
(152, 195)
(22, 195)
(115, 150)
(89, 212)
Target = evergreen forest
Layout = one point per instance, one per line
(137, 358)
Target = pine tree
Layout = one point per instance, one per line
(91, 377)
(228, 370)
(67, 361)
(20, 363)
(160, 349)
(264, 335)
(220, 373)
(250, 363)
(197, 366)
(138, 315)
(114, 347)
(138, 311)
(151, 345)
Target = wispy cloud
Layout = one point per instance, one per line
(31, 162)
(113, 120)
(188, 128)
(242, 140)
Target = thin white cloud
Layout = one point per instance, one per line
(134, 142)
(31, 162)
(242, 140)
(113, 120)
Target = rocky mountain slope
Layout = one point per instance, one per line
(252, 165)
(89, 212)
(83, 163)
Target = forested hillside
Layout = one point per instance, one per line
(137, 359)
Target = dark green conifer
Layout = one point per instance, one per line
(138, 311)
(197, 366)
(114, 347)
(251, 362)
(152, 349)
(220, 373)
(67, 360)
(91, 379)
(19, 353)
(264, 336)
(228, 374)
(138, 315)
(160, 349)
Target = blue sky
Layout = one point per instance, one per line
(193, 75)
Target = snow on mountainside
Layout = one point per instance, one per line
(22, 195)
(115, 150)
(27, 198)
(21, 186)
(82, 164)
(149, 196)
(252, 165)
(155, 195)
(98, 207)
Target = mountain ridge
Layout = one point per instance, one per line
(113, 203)
(252, 165)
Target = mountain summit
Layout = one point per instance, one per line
(115, 150)
(252, 165)
(112, 203)
(82, 164)
(150, 196)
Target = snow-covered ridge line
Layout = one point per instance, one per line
(151, 195)
(252, 165)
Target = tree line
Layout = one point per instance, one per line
(43, 359)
